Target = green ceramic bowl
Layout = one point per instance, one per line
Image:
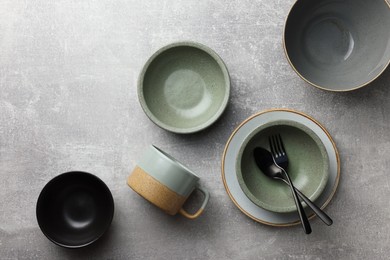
(184, 87)
(308, 166)
(338, 45)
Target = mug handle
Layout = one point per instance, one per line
(200, 211)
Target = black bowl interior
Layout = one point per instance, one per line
(75, 209)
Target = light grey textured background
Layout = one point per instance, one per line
(68, 72)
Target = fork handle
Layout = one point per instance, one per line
(318, 211)
(302, 215)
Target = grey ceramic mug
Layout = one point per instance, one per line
(165, 182)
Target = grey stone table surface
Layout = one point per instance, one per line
(68, 101)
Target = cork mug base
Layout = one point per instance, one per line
(155, 192)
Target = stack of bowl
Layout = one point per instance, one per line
(313, 166)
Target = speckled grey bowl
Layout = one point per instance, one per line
(308, 166)
(184, 87)
(338, 45)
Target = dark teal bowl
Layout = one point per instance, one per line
(338, 45)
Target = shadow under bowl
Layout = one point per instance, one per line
(75, 209)
(308, 166)
(184, 87)
(338, 45)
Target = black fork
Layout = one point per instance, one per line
(280, 158)
(278, 151)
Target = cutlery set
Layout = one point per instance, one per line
(274, 164)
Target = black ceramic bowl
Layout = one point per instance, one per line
(75, 209)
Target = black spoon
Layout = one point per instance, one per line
(265, 162)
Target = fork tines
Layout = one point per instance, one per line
(276, 145)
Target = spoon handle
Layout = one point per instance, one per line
(318, 211)
(302, 215)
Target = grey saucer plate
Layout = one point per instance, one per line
(231, 151)
(184, 87)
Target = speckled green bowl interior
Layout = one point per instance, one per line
(184, 87)
(308, 166)
(338, 45)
